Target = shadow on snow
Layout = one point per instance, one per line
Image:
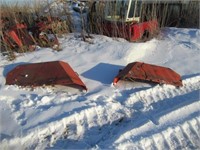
(103, 72)
(10, 67)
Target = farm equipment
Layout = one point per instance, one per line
(56, 73)
(122, 18)
(134, 20)
(43, 33)
(21, 38)
(138, 71)
(16, 38)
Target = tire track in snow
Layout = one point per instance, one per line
(156, 141)
(94, 121)
(187, 88)
(152, 100)
(187, 130)
(180, 135)
(79, 123)
(195, 130)
(164, 144)
(171, 138)
(152, 129)
(157, 93)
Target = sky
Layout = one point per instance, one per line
(15, 1)
(20, 1)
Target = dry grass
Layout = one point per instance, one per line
(16, 12)
(12, 12)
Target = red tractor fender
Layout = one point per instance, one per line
(139, 71)
(45, 73)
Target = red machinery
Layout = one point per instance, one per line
(43, 33)
(139, 71)
(133, 20)
(21, 38)
(17, 37)
(124, 18)
(47, 73)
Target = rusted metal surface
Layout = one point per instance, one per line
(47, 73)
(139, 71)
(17, 36)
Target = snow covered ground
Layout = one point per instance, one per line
(125, 116)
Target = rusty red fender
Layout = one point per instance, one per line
(46, 73)
(138, 71)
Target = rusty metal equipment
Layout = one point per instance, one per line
(138, 71)
(17, 37)
(43, 33)
(134, 20)
(46, 73)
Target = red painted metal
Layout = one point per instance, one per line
(18, 34)
(46, 73)
(137, 30)
(139, 71)
(132, 32)
(15, 37)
